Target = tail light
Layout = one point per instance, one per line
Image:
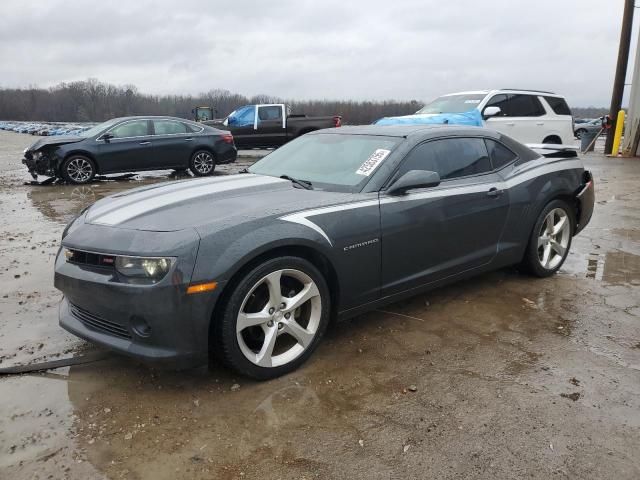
(337, 121)
(227, 138)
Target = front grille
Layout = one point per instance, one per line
(81, 257)
(98, 323)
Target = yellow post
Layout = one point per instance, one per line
(618, 134)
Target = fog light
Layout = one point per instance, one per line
(140, 326)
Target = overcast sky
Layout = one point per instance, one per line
(370, 49)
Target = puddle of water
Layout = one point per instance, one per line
(615, 268)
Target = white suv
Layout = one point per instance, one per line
(529, 116)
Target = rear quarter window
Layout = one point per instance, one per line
(499, 154)
(558, 105)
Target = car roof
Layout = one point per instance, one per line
(505, 90)
(406, 131)
(152, 117)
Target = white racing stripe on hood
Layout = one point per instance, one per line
(128, 206)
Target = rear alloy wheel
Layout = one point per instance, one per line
(274, 318)
(78, 169)
(550, 240)
(579, 133)
(202, 163)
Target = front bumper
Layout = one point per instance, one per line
(43, 165)
(152, 322)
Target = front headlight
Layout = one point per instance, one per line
(144, 267)
(37, 155)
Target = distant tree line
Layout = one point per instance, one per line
(94, 101)
(589, 112)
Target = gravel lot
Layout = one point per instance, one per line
(502, 376)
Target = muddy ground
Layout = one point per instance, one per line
(502, 376)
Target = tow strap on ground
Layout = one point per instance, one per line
(61, 362)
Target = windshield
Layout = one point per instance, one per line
(93, 131)
(330, 161)
(453, 103)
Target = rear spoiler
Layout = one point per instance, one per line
(552, 150)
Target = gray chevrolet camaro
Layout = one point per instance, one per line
(251, 268)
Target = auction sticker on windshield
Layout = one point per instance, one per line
(371, 163)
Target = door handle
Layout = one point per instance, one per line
(494, 192)
(145, 143)
(511, 124)
(540, 123)
(188, 139)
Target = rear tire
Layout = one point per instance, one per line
(78, 169)
(550, 239)
(553, 140)
(274, 318)
(202, 163)
(579, 133)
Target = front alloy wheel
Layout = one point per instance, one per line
(78, 170)
(274, 319)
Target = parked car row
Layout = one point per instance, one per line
(592, 126)
(45, 129)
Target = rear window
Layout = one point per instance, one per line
(558, 105)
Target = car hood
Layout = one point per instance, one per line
(55, 140)
(226, 200)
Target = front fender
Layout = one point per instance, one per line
(223, 253)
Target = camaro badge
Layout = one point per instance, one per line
(361, 244)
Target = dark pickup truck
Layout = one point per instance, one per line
(270, 125)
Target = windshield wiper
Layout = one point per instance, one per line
(303, 183)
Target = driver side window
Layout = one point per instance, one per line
(136, 128)
(243, 116)
(500, 101)
(450, 158)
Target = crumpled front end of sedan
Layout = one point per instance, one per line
(133, 304)
(40, 162)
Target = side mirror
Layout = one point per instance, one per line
(106, 137)
(229, 121)
(491, 112)
(414, 179)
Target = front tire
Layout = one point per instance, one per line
(274, 318)
(78, 169)
(550, 239)
(202, 163)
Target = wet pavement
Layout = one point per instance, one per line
(501, 376)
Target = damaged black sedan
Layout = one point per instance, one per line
(131, 144)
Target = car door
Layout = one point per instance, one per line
(271, 128)
(433, 233)
(241, 123)
(128, 147)
(172, 144)
(521, 117)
